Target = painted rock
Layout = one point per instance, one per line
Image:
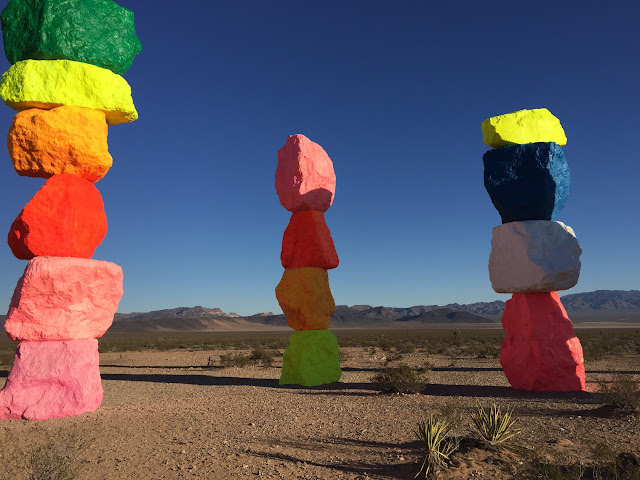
(311, 359)
(305, 298)
(65, 218)
(305, 179)
(527, 182)
(64, 298)
(534, 256)
(524, 126)
(47, 84)
(540, 351)
(65, 139)
(99, 32)
(52, 380)
(307, 242)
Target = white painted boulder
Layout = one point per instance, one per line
(534, 256)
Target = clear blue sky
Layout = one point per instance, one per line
(395, 92)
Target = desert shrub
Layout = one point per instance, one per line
(427, 366)
(400, 379)
(237, 360)
(494, 426)
(50, 462)
(433, 434)
(407, 348)
(393, 357)
(6, 358)
(262, 357)
(622, 393)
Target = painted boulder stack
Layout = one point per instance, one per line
(65, 83)
(532, 254)
(306, 183)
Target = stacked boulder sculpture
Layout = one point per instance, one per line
(65, 83)
(306, 183)
(532, 254)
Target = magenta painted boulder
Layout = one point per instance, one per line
(52, 380)
(64, 298)
(305, 179)
(540, 351)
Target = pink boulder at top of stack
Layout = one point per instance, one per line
(305, 179)
(52, 380)
(64, 298)
(540, 351)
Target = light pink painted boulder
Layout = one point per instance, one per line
(52, 380)
(64, 298)
(305, 179)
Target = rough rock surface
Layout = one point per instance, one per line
(305, 179)
(305, 298)
(311, 359)
(52, 380)
(65, 218)
(65, 139)
(50, 83)
(99, 32)
(64, 298)
(307, 242)
(527, 182)
(534, 256)
(523, 126)
(540, 351)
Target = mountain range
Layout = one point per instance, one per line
(598, 306)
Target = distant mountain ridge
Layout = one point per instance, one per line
(600, 305)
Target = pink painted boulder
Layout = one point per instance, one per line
(540, 351)
(52, 380)
(64, 298)
(305, 179)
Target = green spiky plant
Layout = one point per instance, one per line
(434, 434)
(493, 425)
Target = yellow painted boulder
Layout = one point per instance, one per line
(43, 143)
(305, 298)
(47, 84)
(521, 127)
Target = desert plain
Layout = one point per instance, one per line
(172, 409)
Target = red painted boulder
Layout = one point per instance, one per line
(65, 218)
(307, 242)
(64, 298)
(305, 179)
(52, 380)
(540, 351)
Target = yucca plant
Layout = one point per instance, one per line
(494, 426)
(433, 433)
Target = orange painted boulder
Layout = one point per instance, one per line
(65, 218)
(52, 380)
(307, 242)
(66, 139)
(540, 351)
(305, 179)
(305, 298)
(64, 298)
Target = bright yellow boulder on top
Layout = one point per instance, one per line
(521, 127)
(47, 84)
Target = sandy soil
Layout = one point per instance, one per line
(165, 415)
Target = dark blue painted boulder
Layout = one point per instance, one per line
(527, 182)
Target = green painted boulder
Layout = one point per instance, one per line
(311, 359)
(99, 32)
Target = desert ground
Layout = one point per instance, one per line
(172, 411)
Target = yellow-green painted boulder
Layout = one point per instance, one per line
(48, 84)
(311, 359)
(305, 298)
(521, 127)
